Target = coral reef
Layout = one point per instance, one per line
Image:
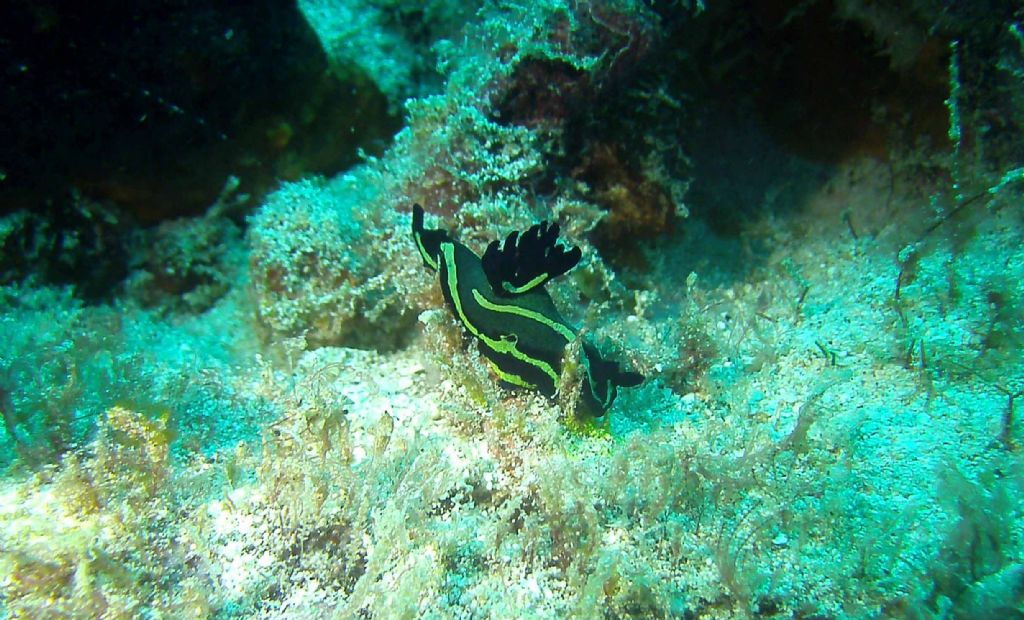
(74, 241)
(315, 273)
(97, 539)
(189, 263)
(389, 40)
(801, 226)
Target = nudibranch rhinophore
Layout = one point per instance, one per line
(500, 300)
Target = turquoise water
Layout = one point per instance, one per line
(238, 381)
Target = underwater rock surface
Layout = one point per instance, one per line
(801, 223)
(153, 108)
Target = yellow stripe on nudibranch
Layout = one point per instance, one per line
(506, 346)
(509, 377)
(561, 329)
(534, 283)
(427, 258)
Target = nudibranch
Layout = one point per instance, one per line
(500, 300)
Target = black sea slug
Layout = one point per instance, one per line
(500, 300)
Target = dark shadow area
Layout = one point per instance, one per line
(783, 92)
(117, 116)
(151, 107)
(750, 106)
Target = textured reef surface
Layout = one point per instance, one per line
(706, 309)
